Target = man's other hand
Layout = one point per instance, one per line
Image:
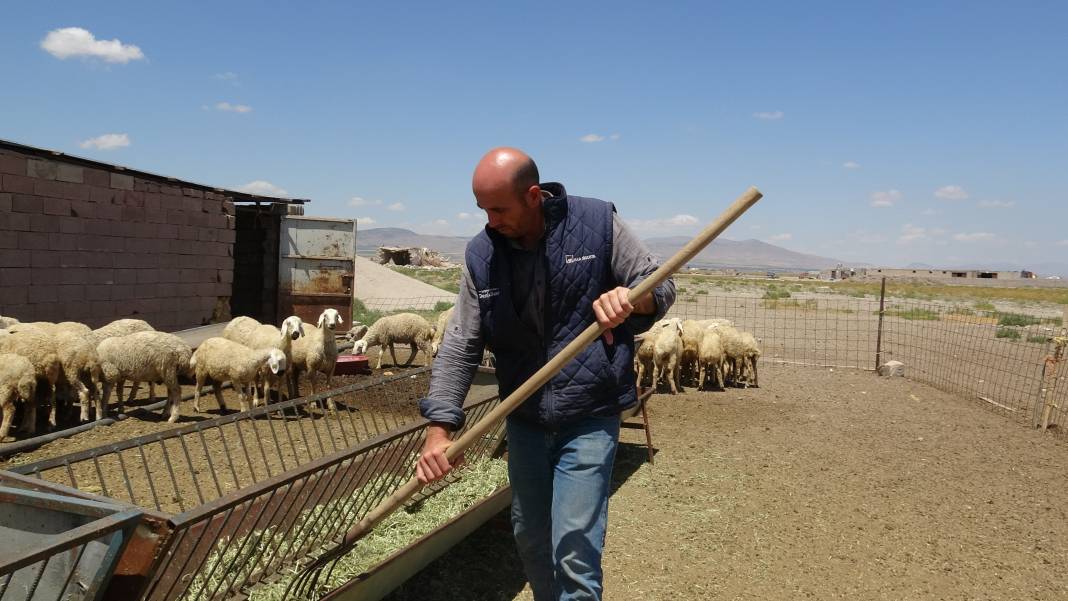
(432, 464)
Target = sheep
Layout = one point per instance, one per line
(710, 358)
(357, 331)
(750, 354)
(439, 329)
(6, 322)
(643, 356)
(220, 360)
(81, 370)
(666, 350)
(40, 349)
(403, 327)
(122, 327)
(18, 380)
(691, 340)
(253, 334)
(317, 352)
(145, 357)
(53, 328)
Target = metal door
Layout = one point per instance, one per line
(315, 266)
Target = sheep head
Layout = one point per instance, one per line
(292, 327)
(276, 361)
(357, 332)
(330, 319)
(27, 386)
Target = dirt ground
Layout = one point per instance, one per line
(822, 484)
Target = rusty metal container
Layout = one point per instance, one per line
(316, 266)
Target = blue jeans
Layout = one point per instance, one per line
(560, 481)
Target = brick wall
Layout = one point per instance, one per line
(84, 244)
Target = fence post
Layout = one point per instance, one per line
(879, 335)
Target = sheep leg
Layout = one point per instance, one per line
(216, 387)
(29, 417)
(752, 366)
(415, 351)
(174, 396)
(9, 414)
(133, 390)
(196, 394)
(392, 354)
(719, 376)
(701, 376)
(242, 395)
(255, 395)
(83, 398)
(673, 374)
(330, 400)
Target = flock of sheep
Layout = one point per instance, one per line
(58, 364)
(696, 351)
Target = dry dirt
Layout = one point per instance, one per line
(821, 484)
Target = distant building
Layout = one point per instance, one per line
(948, 274)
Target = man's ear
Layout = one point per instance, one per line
(533, 196)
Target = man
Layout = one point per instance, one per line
(546, 266)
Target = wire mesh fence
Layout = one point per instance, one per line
(996, 358)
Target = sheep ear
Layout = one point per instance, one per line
(322, 318)
(339, 320)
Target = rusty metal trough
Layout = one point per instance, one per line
(208, 491)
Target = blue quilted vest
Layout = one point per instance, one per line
(599, 382)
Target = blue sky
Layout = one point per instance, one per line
(889, 133)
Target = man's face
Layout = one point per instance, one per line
(510, 214)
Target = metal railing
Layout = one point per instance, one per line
(59, 547)
(247, 495)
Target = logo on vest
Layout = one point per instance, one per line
(569, 259)
(488, 293)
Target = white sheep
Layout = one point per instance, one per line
(666, 351)
(145, 357)
(40, 349)
(220, 360)
(7, 321)
(409, 328)
(316, 352)
(439, 329)
(18, 380)
(81, 370)
(710, 358)
(122, 327)
(254, 334)
(750, 354)
(691, 340)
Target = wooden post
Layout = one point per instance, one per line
(879, 335)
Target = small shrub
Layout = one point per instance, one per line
(1016, 319)
(689, 299)
(681, 290)
(961, 310)
(1037, 339)
(702, 291)
(984, 306)
(918, 314)
(360, 313)
(1005, 332)
(775, 294)
(790, 303)
(442, 306)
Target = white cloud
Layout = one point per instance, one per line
(851, 165)
(770, 115)
(464, 216)
(365, 221)
(356, 201)
(233, 108)
(441, 222)
(74, 41)
(262, 188)
(781, 237)
(228, 76)
(590, 138)
(951, 193)
(397, 206)
(885, 199)
(614, 137)
(973, 237)
(107, 142)
(997, 204)
(910, 233)
(668, 223)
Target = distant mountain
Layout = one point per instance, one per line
(745, 254)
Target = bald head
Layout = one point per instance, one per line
(504, 168)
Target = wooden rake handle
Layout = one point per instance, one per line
(543, 375)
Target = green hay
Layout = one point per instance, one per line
(403, 527)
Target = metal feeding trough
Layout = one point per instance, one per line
(351, 365)
(59, 547)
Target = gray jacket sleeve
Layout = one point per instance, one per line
(458, 358)
(631, 263)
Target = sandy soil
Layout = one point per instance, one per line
(821, 484)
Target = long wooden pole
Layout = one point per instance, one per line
(543, 375)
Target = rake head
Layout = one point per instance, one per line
(307, 584)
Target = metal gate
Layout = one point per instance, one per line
(316, 266)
